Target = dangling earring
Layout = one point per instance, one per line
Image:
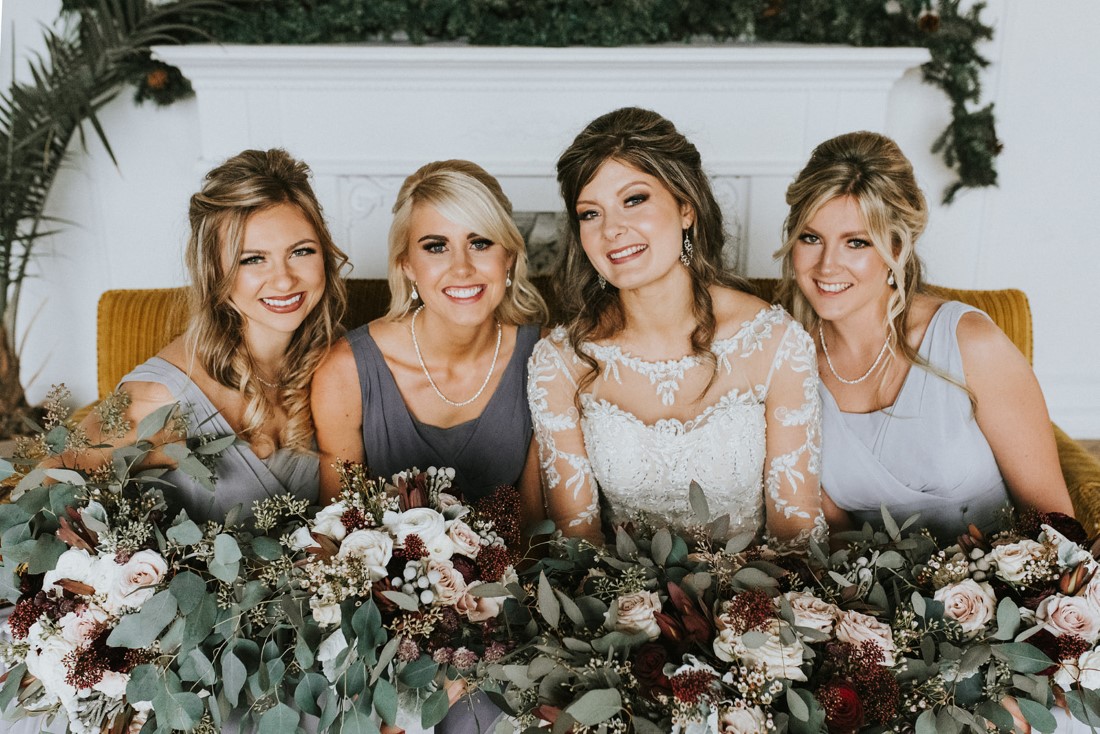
(890, 280)
(602, 281)
(508, 281)
(414, 295)
(687, 251)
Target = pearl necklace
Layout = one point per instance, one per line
(420, 358)
(829, 360)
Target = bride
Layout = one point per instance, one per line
(667, 371)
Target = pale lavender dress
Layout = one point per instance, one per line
(924, 454)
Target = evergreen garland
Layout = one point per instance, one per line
(969, 145)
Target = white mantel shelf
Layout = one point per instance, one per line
(365, 116)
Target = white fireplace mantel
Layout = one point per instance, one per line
(366, 116)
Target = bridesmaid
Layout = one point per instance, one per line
(266, 300)
(927, 406)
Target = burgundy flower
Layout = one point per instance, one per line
(697, 625)
(843, 709)
(1067, 526)
(649, 663)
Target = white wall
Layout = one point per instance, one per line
(1033, 232)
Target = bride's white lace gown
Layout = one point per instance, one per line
(642, 434)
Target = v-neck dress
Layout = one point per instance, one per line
(241, 476)
(485, 452)
(925, 454)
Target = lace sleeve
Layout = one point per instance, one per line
(569, 487)
(792, 466)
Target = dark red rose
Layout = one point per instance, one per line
(843, 709)
(1067, 526)
(1047, 643)
(465, 567)
(649, 664)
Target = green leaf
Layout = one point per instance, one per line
(408, 602)
(216, 446)
(197, 667)
(189, 589)
(996, 713)
(570, 608)
(797, 706)
(698, 501)
(140, 629)
(185, 533)
(356, 721)
(490, 589)
(179, 710)
(385, 700)
(625, 546)
(67, 476)
(266, 548)
(1008, 619)
(6, 470)
(279, 720)
(225, 572)
(226, 549)
(661, 546)
(926, 722)
(753, 578)
(973, 659)
(548, 602)
(919, 606)
(1022, 657)
(388, 653)
(1037, 715)
(418, 673)
(434, 709)
(234, 675)
(154, 423)
(309, 689)
(12, 685)
(596, 706)
(43, 554)
(145, 683)
(888, 523)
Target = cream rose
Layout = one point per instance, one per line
(811, 612)
(112, 684)
(77, 628)
(329, 521)
(479, 608)
(302, 539)
(1011, 559)
(1069, 553)
(441, 549)
(75, 564)
(425, 522)
(447, 583)
(373, 547)
(635, 613)
(325, 615)
(137, 579)
(742, 720)
(1069, 615)
(783, 660)
(447, 501)
(466, 541)
(969, 603)
(45, 662)
(854, 628)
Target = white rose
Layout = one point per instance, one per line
(449, 587)
(1011, 559)
(373, 547)
(330, 649)
(1089, 666)
(854, 628)
(969, 603)
(635, 613)
(479, 608)
(447, 501)
(425, 522)
(75, 564)
(135, 582)
(466, 541)
(112, 684)
(329, 521)
(742, 720)
(441, 549)
(78, 627)
(1068, 615)
(811, 612)
(782, 660)
(45, 661)
(302, 539)
(326, 615)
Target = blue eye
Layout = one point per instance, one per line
(587, 214)
(636, 199)
(303, 251)
(481, 244)
(252, 260)
(435, 247)
(809, 239)
(858, 244)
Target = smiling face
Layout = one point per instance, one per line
(280, 274)
(631, 226)
(836, 266)
(459, 273)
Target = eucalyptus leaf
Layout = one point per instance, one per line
(388, 653)
(189, 589)
(994, 712)
(418, 673)
(596, 706)
(184, 533)
(570, 608)
(888, 523)
(356, 721)
(926, 722)
(309, 689)
(1008, 619)
(6, 470)
(1037, 715)
(279, 720)
(155, 422)
(12, 685)
(661, 546)
(385, 700)
(434, 709)
(234, 675)
(492, 589)
(1022, 657)
(699, 506)
(548, 602)
(408, 602)
(797, 706)
(67, 476)
(266, 548)
(918, 604)
(216, 446)
(740, 542)
(139, 630)
(180, 710)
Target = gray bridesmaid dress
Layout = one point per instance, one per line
(924, 454)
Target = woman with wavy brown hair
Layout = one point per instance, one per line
(266, 300)
(668, 372)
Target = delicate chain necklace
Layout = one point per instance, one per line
(829, 360)
(420, 358)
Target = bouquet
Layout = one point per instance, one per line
(406, 584)
(126, 613)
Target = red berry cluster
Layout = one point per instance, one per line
(692, 685)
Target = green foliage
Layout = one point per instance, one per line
(969, 145)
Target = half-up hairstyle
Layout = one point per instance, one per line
(650, 143)
(871, 169)
(465, 193)
(247, 183)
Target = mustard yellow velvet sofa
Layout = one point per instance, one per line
(132, 325)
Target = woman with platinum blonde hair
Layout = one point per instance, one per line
(667, 372)
(927, 406)
(266, 299)
(438, 381)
